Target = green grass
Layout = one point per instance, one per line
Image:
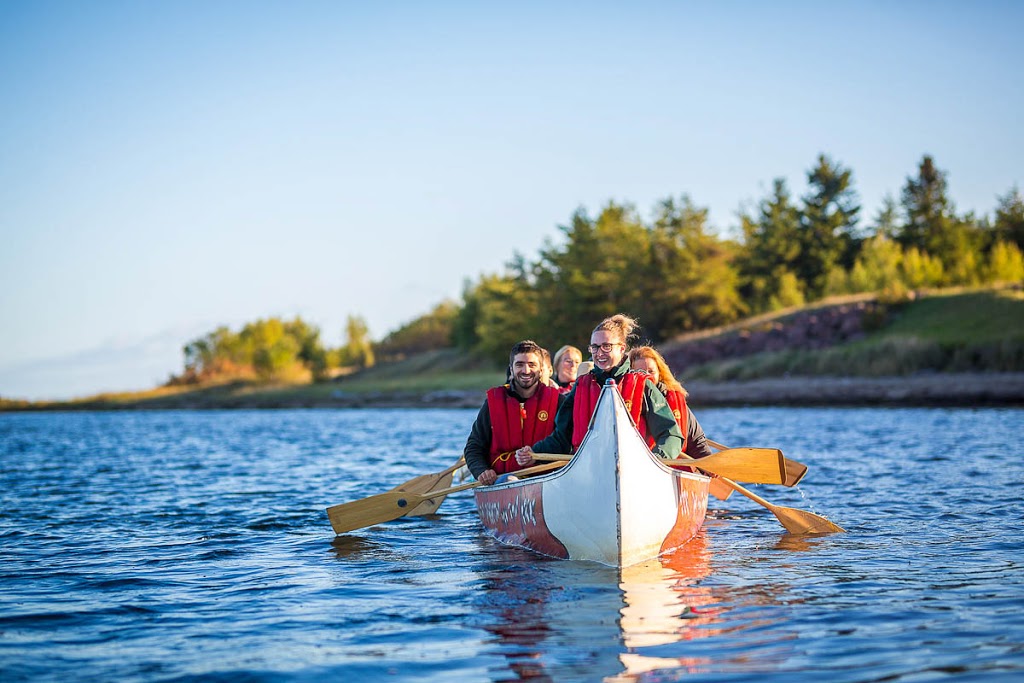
(955, 332)
(973, 318)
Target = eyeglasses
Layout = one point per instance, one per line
(607, 348)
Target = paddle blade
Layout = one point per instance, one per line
(751, 465)
(754, 465)
(803, 522)
(365, 512)
(719, 489)
(795, 471)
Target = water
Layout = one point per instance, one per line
(171, 546)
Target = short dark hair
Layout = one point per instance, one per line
(525, 346)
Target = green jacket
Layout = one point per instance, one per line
(661, 424)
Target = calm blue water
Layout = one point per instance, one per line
(176, 546)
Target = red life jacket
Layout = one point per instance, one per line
(515, 424)
(677, 402)
(631, 388)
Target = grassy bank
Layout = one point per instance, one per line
(980, 331)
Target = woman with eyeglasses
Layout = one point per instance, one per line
(646, 404)
(647, 358)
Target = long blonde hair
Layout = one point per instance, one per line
(619, 323)
(665, 375)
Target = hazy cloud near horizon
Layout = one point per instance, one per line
(112, 367)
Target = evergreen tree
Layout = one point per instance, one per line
(887, 219)
(827, 224)
(597, 272)
(926, 209)
(771, 244)
(692, 282)
(506, 307)
(931, 225)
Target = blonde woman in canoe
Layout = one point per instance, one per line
(566, 363)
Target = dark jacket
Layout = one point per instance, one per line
(696, 442)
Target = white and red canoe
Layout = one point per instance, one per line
(613, 503)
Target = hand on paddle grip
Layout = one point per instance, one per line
(524, 456)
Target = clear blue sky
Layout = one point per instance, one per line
(167, 167)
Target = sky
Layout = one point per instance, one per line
(170, 167)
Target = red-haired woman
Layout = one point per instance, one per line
(647, 358)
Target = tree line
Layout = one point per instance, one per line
(673, 273)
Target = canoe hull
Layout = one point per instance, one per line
(614, 503)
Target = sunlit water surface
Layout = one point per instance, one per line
(165, 546)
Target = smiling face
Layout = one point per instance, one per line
(568, 366)
(647, 365)
(607, 349)
(526, 369)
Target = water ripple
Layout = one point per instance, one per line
(180, 546)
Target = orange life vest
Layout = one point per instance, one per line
(515, 424)
(631, 388)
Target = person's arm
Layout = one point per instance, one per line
(696, 442)
(478, 445)
(661, 423)
(560, 440)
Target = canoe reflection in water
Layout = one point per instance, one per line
(555, 620)
(665, 603)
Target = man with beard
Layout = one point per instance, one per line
(516, 414)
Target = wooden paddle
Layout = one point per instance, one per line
(385, 507)
(795, 471)
(428, 482)
(752, 465)
(795, 521)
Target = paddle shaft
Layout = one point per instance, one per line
(413, 484)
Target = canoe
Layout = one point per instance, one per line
(613, 503)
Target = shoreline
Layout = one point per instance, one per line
(924, 390)
(932, 390)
